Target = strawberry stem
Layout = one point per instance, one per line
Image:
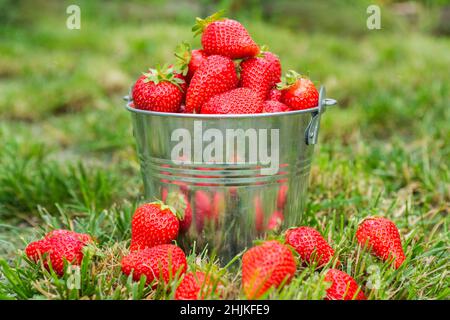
(183, 54)
(163, 74)
(201, 24)
(178, 202)
(289, 79)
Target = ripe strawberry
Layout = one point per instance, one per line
(152, 224)
(58, 246)
(265, 266)
(236, 101)
(189, 60)
(257, 74)
(343, 287)
(225, 37)
(298, 92)
(310, 245)
(275, 221)
(215, 75)
(274, 106)
(274, 95)
(180, 202)
(160, 90)
(382, 237)
(67, 233)
(276, 65)
(195, 286)
(159, 262)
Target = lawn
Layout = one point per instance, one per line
(67, 155)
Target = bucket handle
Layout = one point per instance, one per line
(312, 130)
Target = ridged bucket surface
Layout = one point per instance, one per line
(245, 191)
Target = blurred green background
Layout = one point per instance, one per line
(66, 139)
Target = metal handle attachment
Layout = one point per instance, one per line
(312, 130)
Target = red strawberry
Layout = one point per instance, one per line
(160, 90)
(282, 196)
(215, 75)
(310, 245)
(59, 246)
(225, 37)
(274, 95)
(189, 60)
(236, 101)
(274, 106)
(275, 221)
(382, 237)
(152, 224)
(343, 287)
(180, 202)
(64, 233)
(265, 266)
(257, 74)
(298, 92)
(195, 286)
(159, 262)
(276, 65)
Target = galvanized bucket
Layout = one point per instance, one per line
(237, 191)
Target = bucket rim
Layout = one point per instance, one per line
(326, 102)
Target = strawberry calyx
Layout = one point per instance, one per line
(177, 202)
(183, 53)
(289, 80)
(201, 24)
(164, 207)
(262, 49)
(163, 74)
(371, 218)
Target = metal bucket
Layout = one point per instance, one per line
(241, 194)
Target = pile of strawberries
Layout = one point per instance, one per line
(231, 74)
(266, 266)
(272, 264)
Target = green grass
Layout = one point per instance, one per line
(67, 157)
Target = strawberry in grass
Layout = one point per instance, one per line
(225, 37)
(159, 262)
(382, 237)
(57, 247)
(343, 287)
(216, 75)
(197, 286)
(189, 60)
(310, 245)
(298, 92)
(236, 101)
(153, 224)
(265, 266)
(160, 89)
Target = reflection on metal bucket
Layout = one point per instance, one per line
(232, 198)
